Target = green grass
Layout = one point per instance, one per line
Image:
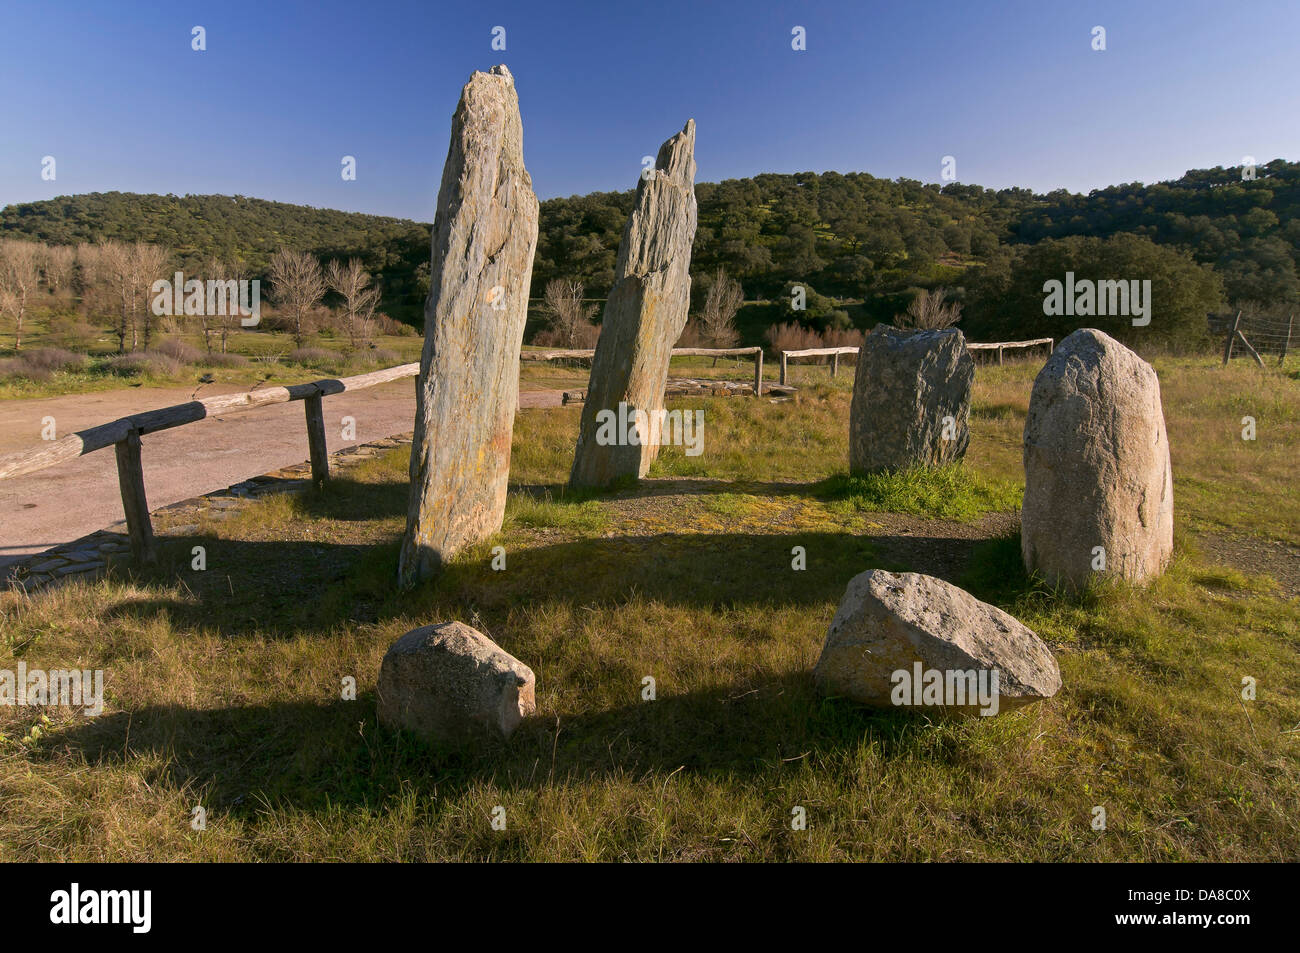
(951, 492)
(224, 686)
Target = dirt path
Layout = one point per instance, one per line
(72, 499)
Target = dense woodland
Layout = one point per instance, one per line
(862, 246)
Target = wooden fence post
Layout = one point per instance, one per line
(783, 367)
(1286, 345)
(1253, 353)
(1232, 336)
(758, 373)
(130, 479)
(999, 356)
(835, 365)
(320, 458)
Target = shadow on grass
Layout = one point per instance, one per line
(323, 756)
(303, 588)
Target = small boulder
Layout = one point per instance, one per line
(450, 683)
(1099, 493)
(946, 644)
(911, 400)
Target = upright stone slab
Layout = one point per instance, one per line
(1097, 468)
(644, 317)
(911, 400)
(484, 237)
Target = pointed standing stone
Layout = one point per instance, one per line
(484, 237)
(643, 319)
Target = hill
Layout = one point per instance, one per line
(845, 235)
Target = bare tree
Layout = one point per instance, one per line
(298, 286)
(360, 298)
(57, 267)
(148, 262)
(116, 267)
(19, 272)
(90, 281)
(930, 311)
(718, 319)
(570, 322)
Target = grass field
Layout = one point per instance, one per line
(224, 686)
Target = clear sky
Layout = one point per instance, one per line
(1014, 91)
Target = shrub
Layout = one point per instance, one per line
(383, 357)
(179, 351)
(312, 356)
(792, 336)
(54, 359)
(14, 368)
(143, 363)
(223, 360)
(386, 325)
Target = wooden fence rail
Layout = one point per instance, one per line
(124, 433)
(834, 352)
(755, 352)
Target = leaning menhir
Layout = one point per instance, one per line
(643, 317)
(1099, 497)
(484, 237)
(911, 400)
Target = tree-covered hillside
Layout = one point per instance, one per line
(844, 235)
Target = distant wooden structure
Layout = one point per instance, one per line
(834, 352)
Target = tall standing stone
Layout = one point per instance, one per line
(484, 237)
(1099, 496)
(911, 400)
(643, 318)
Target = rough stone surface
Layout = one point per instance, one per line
(890, 621)
(484, 237)
(906, 384)
(1097, 467)
(644, 315)
(450, 683)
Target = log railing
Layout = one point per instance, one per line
(834, 352)
(124, 434)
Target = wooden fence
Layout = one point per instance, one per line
(1269, 335)
(834, 352)
(755, 352)
(124, 433)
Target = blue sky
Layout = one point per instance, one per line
(284, 90)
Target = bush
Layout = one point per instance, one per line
(384, 357)
(54, 359)
(386, 325)
(792, 336)
(216, 359)
(143, 363)
(15, 368)
(313, 356)
(179, 351)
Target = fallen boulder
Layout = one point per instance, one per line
(450, 683)
(908, 640)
